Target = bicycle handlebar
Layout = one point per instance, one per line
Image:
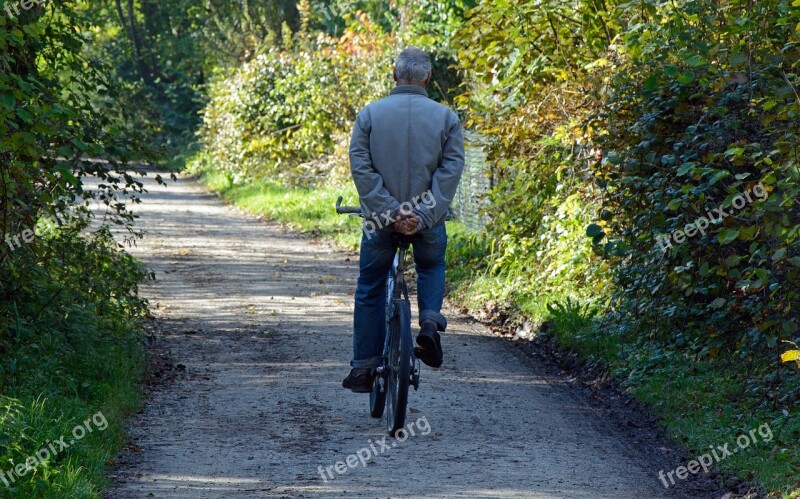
(346, 210)
(356, 210)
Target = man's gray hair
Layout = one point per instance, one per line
(412, 65)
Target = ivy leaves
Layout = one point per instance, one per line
(699, 116)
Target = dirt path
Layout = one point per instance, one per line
(258, 323)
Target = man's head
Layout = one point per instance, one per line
(412, 67)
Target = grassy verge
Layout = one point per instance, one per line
(703, 401)
(71, 357)
(310, 211)
(700, 401)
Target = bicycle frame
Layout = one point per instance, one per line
(395, 289)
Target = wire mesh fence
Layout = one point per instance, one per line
(470, 200)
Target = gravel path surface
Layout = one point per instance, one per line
(257, 322)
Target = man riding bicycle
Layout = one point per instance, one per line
(406, 158)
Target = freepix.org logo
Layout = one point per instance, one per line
(13, 8)
(53, 448)
(715, 216)
(375, 222)
(374, 449)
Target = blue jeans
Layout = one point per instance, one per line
(377, 255)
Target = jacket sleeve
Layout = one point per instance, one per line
(446, 177)
(375, 198)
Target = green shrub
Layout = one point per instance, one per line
(530, 94)
(688, 105)
(270, 118)
(70, 347)
(694, 129)
(70, 344)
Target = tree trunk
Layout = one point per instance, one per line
(133, 34)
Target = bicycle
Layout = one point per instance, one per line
(399, 366)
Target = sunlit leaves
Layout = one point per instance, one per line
(703, 111)
(280, 111)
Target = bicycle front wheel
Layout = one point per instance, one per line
(399, 368)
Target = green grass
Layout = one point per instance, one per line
(310, 211)
(50, 407)
(701, 402)
(701, 405)
(71, 351)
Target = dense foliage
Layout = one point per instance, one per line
(68, 293)
(291, 105)
(536, 72)
(285, 115)
(161, 55)
(641, 117)
(707, 123)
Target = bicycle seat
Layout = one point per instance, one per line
(402, 241)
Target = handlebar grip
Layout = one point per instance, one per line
(346, 210)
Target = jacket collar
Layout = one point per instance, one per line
(408, 89)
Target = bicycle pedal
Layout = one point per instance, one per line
(415, 372)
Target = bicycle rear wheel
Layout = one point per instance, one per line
(399, 368)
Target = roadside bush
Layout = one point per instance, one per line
(272, 117)
(70, 344)
(286, 115)
(70, 348)
(534, 72)
(710, 124)
(686, 105)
